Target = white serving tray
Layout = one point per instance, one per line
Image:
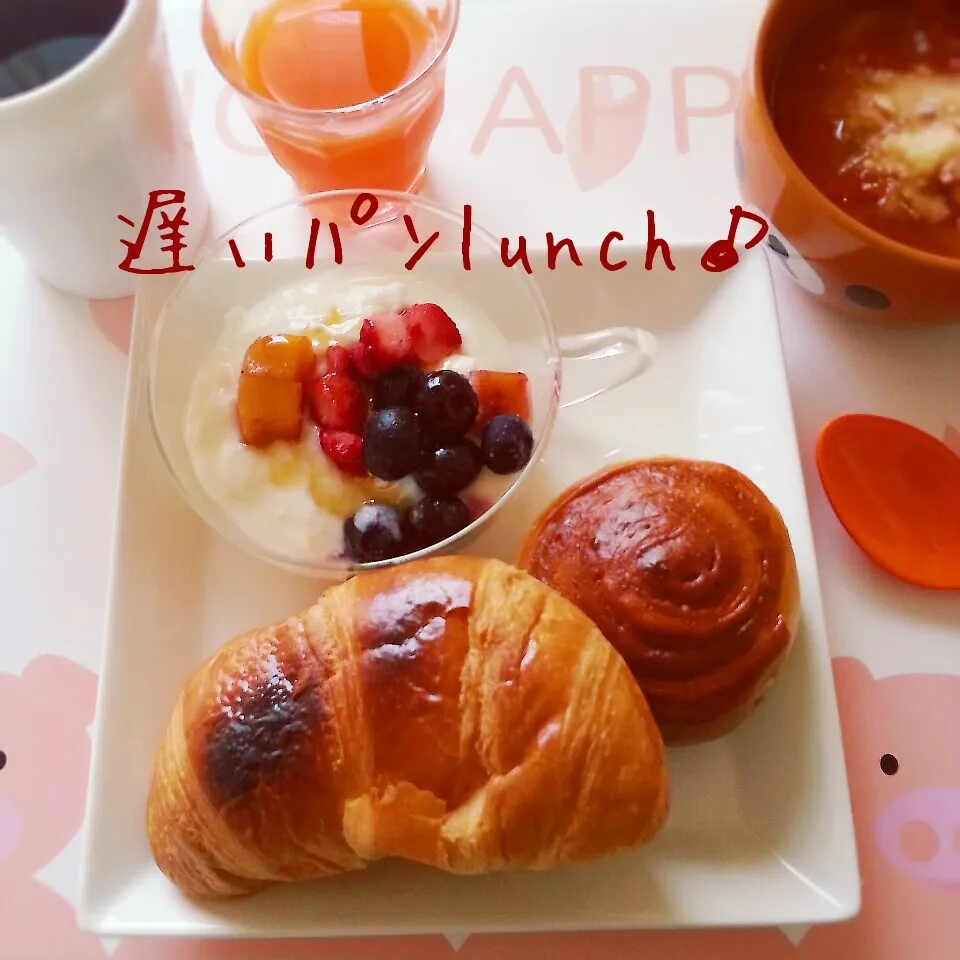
(761, 831)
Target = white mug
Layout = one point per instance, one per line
(81, 153)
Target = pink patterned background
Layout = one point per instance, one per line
(604, 130)
(908, 833)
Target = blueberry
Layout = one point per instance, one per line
(433, 519)
(397, 387)
(447, 403)
(392, 443)
(428, 444)
(374, 532)
(507, 443)
(450, 469)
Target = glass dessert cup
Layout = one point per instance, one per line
(380, 141)
(511, 325)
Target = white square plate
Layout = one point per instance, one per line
(761, 830)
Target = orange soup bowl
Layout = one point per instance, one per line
(835, 256)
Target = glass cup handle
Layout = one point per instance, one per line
(601, 360)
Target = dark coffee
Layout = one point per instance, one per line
(42, 39)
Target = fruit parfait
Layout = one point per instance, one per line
(359, 431)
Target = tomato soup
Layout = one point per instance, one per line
(867, 102)
(323, 55)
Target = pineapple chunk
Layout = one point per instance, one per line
(269, 409)
(287, 467)
(282, 356)
(341, 496)
(319, 337)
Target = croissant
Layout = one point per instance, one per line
(688, 570)
(455, 712)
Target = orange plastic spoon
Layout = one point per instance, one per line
(896, 490)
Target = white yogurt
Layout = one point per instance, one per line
(290, 499)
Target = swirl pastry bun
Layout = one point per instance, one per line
(688, 570)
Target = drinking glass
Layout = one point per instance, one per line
(519, 336)
(380, 143)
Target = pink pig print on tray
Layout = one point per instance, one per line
(902, 745)
(44, 760)
(113, 318)
(900, 739)
(904, 765)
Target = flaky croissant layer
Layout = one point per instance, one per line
(455, 712)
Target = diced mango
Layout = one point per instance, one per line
(499, 392)
(269, 409)
(282, 356)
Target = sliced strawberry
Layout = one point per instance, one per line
(363, 362)
(338, 359)
(386, 334)
(433, 335)
(337, 402)
(345, 449)
(499, 392)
